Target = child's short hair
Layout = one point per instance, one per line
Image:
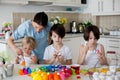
(29, 41)
(95, 31)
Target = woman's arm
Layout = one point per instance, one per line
(10, 42)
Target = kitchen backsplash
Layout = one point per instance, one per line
(71, 16)
(106, 22)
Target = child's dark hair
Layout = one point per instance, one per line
(41, 18)
(58, 29)
(95, 31)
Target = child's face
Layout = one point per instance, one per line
(56, 38)
(27, 49)
(92, 38)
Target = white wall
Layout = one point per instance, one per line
(6, 10)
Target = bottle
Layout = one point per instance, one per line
(7, 35)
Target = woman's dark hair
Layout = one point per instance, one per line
(95, 31)
(41, 18)
(58, 29)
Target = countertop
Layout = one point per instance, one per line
(5, 42)
(81, 35)
(68, 35)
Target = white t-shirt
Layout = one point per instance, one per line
(27, 59)
(64, 51)
(91, 58)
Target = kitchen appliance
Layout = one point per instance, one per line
(81, 27)
(101, 30)
(73, 27)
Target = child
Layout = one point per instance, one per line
(57, 52)
(92, 53)
(28, 45)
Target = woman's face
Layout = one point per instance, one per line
(92, 39)
(37, 27)
(56, 38)
(27, 49)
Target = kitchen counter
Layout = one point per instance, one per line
(81, 35)
(67, 36)
(5, 42)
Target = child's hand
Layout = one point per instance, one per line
(60, 58)
(99, 53)
(55, 56)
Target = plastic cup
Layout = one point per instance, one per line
(76, 67)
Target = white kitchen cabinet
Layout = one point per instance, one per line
(113, 44)
(14, 1)
(72, 3)
(64, 3)
(100, 7)
(105, 7)
(117, 6)
(74, 44)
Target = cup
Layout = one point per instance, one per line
(9, 71)
(112, 69)
(76, 67)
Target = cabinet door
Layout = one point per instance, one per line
(95, 6)
(74, 44)
(117, 5)
(113, 45)
(100, 7)
(70, 3)
(107, 5)
(14, 1)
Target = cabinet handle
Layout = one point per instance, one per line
(114, 40)
(98, 6)
(102, 6)
(66, 40)
(113, 47)
(113, 5)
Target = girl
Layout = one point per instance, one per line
(28, 45)
(92, 53)
(57, 52)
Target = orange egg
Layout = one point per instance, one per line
(23, 63)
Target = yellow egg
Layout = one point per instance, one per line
(104, 70)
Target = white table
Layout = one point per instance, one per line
(16, 76)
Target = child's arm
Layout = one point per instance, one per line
(101, 56)
(34, 59)
(82, 54)
(62, 61)
(51, 61)
(69, 62)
